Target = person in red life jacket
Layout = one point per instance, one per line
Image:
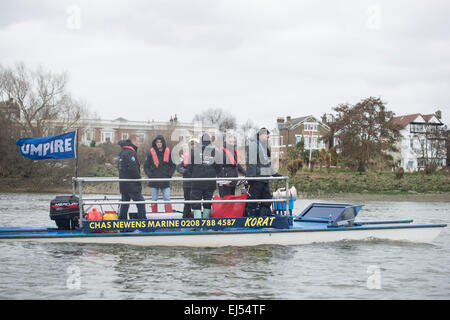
(159, 164)
(230, 166)
(129, 168)
(182, 167)
(203, 165)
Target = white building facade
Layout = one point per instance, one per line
(101, 131)
(422, 141)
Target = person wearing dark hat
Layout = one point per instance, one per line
(203, 165)
(259, 165)
(129, 168)
(182, 167)
(159, 164)
(230, 166)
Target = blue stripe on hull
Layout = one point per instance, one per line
(27, 233)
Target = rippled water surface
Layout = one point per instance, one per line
(343, 270)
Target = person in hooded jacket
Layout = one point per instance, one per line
(259, 165)
(159, 164)
(203, 165)
(230, 166)
(182, 167)
(129, 168)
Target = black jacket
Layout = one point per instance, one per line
(203, 164)
(183, 169)
(258, 159)
(129, 167)
(164, 169)
(228, 169)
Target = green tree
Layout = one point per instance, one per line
(364, 131)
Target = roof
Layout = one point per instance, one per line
(295, 122)
(407, 119)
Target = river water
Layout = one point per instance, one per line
(342, 270)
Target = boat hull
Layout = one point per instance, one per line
(209, 238)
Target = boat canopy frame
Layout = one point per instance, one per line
(81, 180)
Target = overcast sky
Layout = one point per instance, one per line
(260, 59)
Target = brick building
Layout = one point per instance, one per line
(290, 131)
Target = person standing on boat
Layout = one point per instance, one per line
(129, 168)
(259, 165)
(159, 164)
(230, 166)
(182, 168)
(203, 165)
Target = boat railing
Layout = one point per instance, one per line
(91, 202)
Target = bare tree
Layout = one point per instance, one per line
(217, 116)
(42, 98)
(34, 103)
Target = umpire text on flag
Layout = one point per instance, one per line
(55, 147)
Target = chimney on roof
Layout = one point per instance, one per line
(438, 114)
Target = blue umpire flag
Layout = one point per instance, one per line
(55, 147)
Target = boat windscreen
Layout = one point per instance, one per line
(323, 212)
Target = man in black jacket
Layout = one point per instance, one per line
(259, 165)
(203, 165)
(129, 168)
(182, 168)
(159, 164)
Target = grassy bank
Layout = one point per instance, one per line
(322, 183)
(338, 184)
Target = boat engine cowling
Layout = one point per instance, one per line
(65, 211)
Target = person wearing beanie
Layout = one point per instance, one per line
(129, 168)
(259, 164)
(203, 165)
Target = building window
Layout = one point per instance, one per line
(108, 137)
(314, 142)
(306, 139)
(415, 127)
(88, 136)
(322, 144)
(420, 162)
(410, 165)
(310, 126)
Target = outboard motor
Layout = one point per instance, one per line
(65, 211)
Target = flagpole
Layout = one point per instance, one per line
(76, 163)
(76, 156)
(310, 145)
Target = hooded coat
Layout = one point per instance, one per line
(129, 167)
(203, 164)
(164, 169)
(258, 159)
